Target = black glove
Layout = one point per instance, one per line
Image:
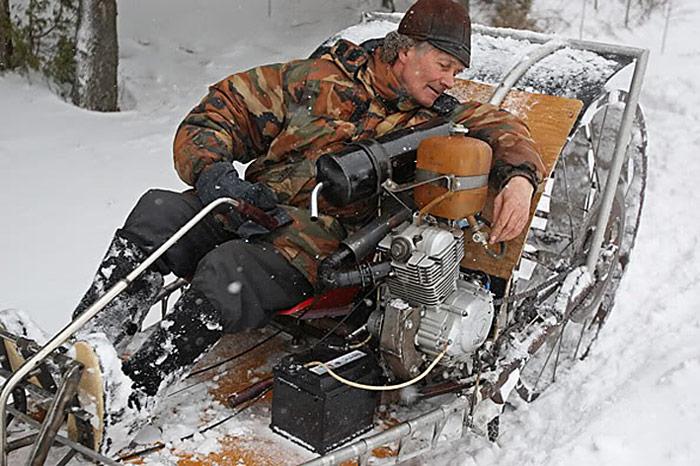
(221, 180)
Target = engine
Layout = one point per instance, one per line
(428, 307)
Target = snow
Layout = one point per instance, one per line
(69, 178)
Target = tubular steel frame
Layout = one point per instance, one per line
(549, 45)
(436, 418)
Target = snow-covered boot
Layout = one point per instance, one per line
(123, 396)
(119, 411)
(18, 323)
(122, 317)
(188, 332)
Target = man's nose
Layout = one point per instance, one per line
(448, 80)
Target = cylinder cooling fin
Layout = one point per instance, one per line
(427, 268)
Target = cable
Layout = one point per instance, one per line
(344, 319)
(378, 388)
(353, 346)
(160, 445)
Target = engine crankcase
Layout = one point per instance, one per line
(461, 323)
(395, 327)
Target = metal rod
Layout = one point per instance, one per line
(54, 417)
(534, 37)
(32, 346)
(66, 459)
(90, 312)
(22, 442)
(623, 139)
(522, 67)
(540, 38)
(314, 201)
(402, 430)
(82, 449)
(43, 397)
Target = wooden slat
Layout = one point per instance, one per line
(550, 120)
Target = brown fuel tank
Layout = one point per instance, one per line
(468, 159)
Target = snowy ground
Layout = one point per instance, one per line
(69, 177)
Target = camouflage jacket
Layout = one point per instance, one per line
(282, 117)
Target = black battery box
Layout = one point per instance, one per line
(313, 409)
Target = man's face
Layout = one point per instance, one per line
(426, 72)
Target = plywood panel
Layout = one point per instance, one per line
(550, 120)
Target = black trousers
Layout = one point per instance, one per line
(245, 280)
(235, 284)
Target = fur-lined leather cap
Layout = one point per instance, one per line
(443, 23)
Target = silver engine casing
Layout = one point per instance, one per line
(461, 323)
(452, 314)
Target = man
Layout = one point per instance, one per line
(281, 118)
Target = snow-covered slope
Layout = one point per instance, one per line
(69, 177)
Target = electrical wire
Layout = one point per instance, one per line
(353, 346)
(344, 319)
(378, 388)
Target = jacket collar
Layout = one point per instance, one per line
(376, 75)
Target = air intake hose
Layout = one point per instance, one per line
(335, 271)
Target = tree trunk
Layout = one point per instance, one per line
(96, 56)
(5, 36)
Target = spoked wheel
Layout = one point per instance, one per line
(561, 233)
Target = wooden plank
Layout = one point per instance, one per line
(550, 120)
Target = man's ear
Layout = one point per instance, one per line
(400, 63)
(403, 55)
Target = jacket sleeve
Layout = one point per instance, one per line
(236, 121)
(514, 151)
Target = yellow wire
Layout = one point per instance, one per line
(378, 388)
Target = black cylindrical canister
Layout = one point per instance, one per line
(359, 171)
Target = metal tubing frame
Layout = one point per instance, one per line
(89, 313)
(520, 68)
(74, 446)
(403, 430)
(549, 45)
(55, 416)
(621, 144)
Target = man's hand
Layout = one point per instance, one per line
(221, 180)
(511, 209)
